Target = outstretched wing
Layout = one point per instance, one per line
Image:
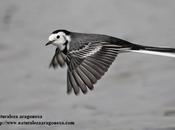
(59, 58)
(88, 64)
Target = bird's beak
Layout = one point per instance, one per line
(50, 42)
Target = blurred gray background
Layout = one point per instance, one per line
(138, 91)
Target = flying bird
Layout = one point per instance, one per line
(88, 56)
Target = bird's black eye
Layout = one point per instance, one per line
(58, 37)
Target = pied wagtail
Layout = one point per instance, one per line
(88, 56)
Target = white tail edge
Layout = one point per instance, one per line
(155, 53)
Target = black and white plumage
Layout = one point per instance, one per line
(88, 56)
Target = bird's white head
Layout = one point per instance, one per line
(59, 38)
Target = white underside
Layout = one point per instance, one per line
(155, 53)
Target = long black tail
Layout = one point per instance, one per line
(170, 52)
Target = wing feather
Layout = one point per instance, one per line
(91, 77)
(73, 83)
(89, 64)
(85, 78)
(79, 81)
(91, 70)
(58, 59)
(69, 86)
(94, 66)
(98, 63)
